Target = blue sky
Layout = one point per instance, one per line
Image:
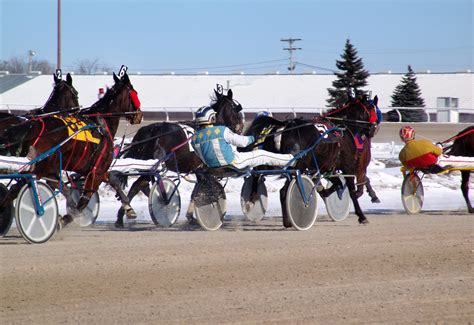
(230, 36)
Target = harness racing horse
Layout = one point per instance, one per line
(339, 153)
(89, 153)
(156, 140)
(63, 97)
(463, 145)
(294, 136)
(358, 116)
(360, 133)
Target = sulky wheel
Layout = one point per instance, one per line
(301, 215)
(6, 215)
(89, 214)
(36, 227)
(412, 193)
(164, 202)
(254, 205)
(338, 203)
(210, 204)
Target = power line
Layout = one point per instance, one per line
(290, 49)
(213, 67)
(316, 67)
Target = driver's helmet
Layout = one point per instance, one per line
(263, 113)
(407, 133)
(205, 115)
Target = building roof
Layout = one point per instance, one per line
(252, 91)
(10, 81)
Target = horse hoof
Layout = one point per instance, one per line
(131, 214)
(64, 221)
(364, 221)
(375, 200)
(118, 225)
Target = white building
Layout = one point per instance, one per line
(301, 93)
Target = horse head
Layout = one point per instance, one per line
(359, 114)
(120, 98)
(64, 95)
(127, 97)
(228, 111)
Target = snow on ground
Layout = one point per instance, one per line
(442, 192)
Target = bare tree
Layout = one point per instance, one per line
(16, 65)
(42, 65)
(87, 66)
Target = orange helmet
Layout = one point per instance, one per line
(407, 133)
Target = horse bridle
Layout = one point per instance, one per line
(235, 104)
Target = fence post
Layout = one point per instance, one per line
(399, 115)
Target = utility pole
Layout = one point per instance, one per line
(31, 54)
(290, 49)
(58, 64)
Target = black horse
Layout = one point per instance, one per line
(338, 153)
(89, 153)
(463, 145)
(63, 98)
(156, 140)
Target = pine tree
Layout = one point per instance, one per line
(353, 76)
(408, 94)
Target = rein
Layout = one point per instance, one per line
(458, 136)
(348, 121)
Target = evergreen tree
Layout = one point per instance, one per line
(352, 75)
(408, 94)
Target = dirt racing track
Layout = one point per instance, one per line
(398, 269)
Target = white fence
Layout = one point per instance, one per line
(174, 113)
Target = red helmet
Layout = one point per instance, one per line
(407, 133)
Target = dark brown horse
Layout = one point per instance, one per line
(89, 153)
(338, 154)
(156, 140)
(62, 98)
(463, 145)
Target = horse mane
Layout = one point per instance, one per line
(57, 101)
(262, 122)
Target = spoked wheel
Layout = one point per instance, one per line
(254, 205)
(89, 214)
(164, 202)
(6, 215)
(301, 215)
(36, 228)
(210, 204)
(338, 203)
(412, 194)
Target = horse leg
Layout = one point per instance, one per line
(336, 185)
(465, 175)
(283, 190)
(114, 181)
(352, 192)
(141, 184)
(190, 211)
(370, 190)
